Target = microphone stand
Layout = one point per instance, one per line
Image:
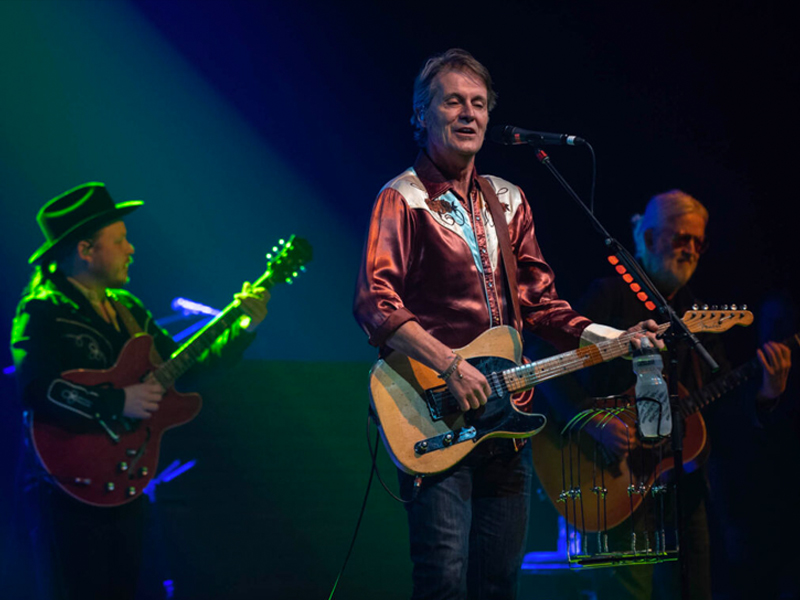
(676, 333)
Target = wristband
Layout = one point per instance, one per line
(453, 368)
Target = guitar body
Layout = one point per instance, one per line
(90, 465)
(110, 463)
(645, 464)
(400, 389)
(575, 462)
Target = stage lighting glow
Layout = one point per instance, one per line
(192, 307)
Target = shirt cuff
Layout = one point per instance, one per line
(390, 325)
(596, 333)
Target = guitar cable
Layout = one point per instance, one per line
(373, 453)
(374, 456)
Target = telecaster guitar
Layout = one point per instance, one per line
(421, 425)
(112, 463)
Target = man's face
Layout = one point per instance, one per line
(109, 256)
(457, 116)
(673, 250)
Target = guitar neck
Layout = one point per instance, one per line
(708, 393)
(189, 354)
(528, 376)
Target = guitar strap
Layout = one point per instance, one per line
(504, 239)
(509, 262)
(134, 329)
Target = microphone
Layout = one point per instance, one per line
(513, 136)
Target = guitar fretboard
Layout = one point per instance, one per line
(188, 355)
(714, 390)
(527, 376)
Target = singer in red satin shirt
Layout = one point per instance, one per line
(432, 280)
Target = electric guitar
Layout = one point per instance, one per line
(569, 466)
(422, 427)
(112, 464)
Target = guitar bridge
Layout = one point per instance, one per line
(445, 440)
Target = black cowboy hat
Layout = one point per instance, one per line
(77, 213)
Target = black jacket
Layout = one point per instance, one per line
(56, 330)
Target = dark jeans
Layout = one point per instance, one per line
(468, 526)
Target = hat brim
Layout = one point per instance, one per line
(90, 225)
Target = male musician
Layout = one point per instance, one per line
(433, 279)
(670, 237)
(74, 315)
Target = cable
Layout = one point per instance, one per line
(372, 471)
(374, 455)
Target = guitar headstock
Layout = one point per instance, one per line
(715, 321)
(286, 261)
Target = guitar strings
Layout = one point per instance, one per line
(168, 372)
(549, 368)
(528, 373)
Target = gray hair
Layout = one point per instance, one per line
(662, 209)
(454, 59)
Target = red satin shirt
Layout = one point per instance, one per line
(433, 257)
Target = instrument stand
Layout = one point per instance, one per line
(677, 332)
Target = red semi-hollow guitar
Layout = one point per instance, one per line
(113, 463)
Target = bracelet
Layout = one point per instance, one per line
(453, 368)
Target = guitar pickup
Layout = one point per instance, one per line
(445, 440)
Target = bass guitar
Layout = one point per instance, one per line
(113, 463)
(573, 466)
(422, 427)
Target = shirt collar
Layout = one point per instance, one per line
(92, 296)
(433, 179)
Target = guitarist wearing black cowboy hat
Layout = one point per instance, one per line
(74, 314)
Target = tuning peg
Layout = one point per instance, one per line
(705, 306)
(734, 307)
(724, 307)
(695, 307)
(744, 306)
(714, 307)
